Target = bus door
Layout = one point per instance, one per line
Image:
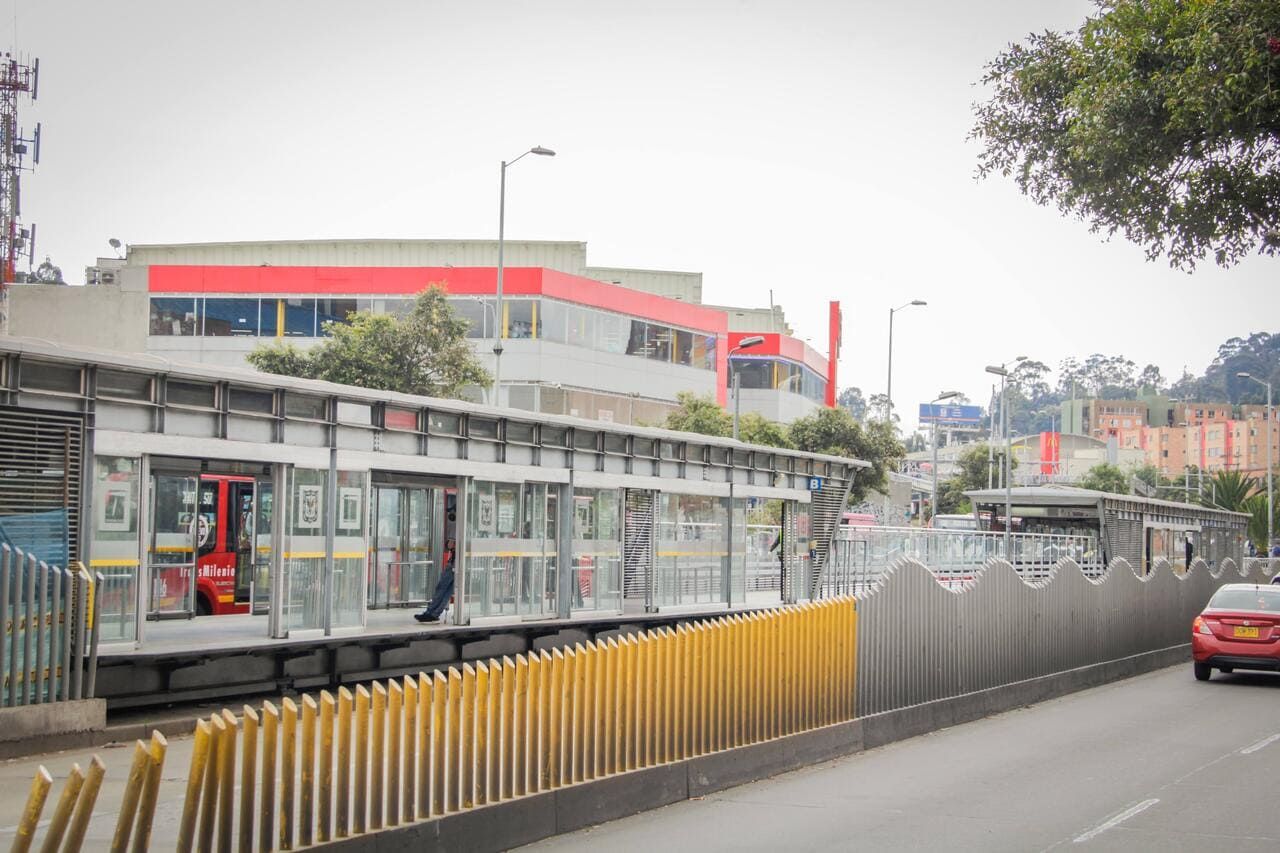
(240, 501)
(173, 549)
(262, 545)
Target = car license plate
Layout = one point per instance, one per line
(1246, 633)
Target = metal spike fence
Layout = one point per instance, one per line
(49, 641)
(69, 824)
(338, 765)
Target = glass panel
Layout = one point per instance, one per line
(386, 545)
(114, 548)
(511, 550)
(128, 386)
(51, 377)
(712, 342)
(334, 311)
(190, 394)
(683, 347)
(417, 577)
(613, 333)
(482, 428)
(269, 318)
(350, 550)
(301, 594)
(553, 320)
(755, 372)
(255, 402)
(520, 317)
(692, 549)
(306, 408)
(401, 419)
(478, 313)
(175, 529)
(170, 316)
(442, 423)
(300, 318)
(262, 545)
(596, 573)
(224, 317)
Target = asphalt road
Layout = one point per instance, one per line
(1159, 762)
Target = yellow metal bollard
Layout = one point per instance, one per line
(440, 689)
(574, 720)
(452, 761)
(342, 808)
(395, 716)
(209, 796)
(360, 790)
(377, 756)
(609, 709)
(590, 711)
(288, 769)
(129, 803)
(267, 804)
(552, 747)
(540, 756)
(26, 832)
(84, 808)
(467, 738)
(62, 811)
(494, 735)
(195, 777)
(537, 673)
(423, 732)
(521, 728)
(506, 727)
(480, 736)
(150, 791)
(307, 773)
(409, 769)
(227, 782)
(328, 708)
(248, 783)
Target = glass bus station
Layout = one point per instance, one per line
(231, 513)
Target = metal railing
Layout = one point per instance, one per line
(49, 643)
(862, 554)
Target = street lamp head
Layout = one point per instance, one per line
(918, 302)
(1021, 358)
(1244, 375)
(997, 371)
(753, 341)
(542, 152)
(949, 395)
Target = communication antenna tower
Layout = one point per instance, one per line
(18, 79)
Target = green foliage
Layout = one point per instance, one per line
(971, 473)
(1256, 506)
(1229, 490)
(424, 352)
(835, 432)
(756, 429)
(1106, 477)
(1158, 119)
(700, 414)
(852, 399)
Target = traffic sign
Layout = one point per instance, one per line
(935, 413)
(815, 484)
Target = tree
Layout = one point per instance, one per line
(1106, 477)
(424, 352)
(47, 273)
(1157, 119)
(852, 399)
(1256, 506)
(1230, 489)
(878, 405)
(699, 414)
(756, 429)
(971, 472)
(835, 432)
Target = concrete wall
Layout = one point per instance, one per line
(781, 406)
(766, 320)
(101, 317)
(685, 286)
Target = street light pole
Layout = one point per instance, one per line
(949, 395)
(1005, 468)
(888, 392)
(745, 343)
(1271, 417)
(502, 216)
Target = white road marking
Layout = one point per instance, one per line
(1266, 741)
(1115, 821)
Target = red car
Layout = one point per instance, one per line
(1239, 629)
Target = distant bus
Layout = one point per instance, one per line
(955, 522)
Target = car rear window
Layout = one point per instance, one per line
(1246, 599)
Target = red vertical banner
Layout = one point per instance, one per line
(834, 324)
(1050, 449)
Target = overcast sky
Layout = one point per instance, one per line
(813, 149)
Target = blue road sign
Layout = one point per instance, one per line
(933, 412)
(815, 484)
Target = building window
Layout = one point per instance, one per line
(299, 318)
(222, 318)
(334, 311)
(170, 316)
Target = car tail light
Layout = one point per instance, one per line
(1200, 626)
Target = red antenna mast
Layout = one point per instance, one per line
(17, 80)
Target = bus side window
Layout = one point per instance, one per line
(207, 535)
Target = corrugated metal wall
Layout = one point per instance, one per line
(919, 641)
(566, 257)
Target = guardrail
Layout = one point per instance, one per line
(49, 644)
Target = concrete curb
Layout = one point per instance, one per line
(502, 826)
(103, 735)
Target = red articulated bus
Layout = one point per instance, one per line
(225, 563)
